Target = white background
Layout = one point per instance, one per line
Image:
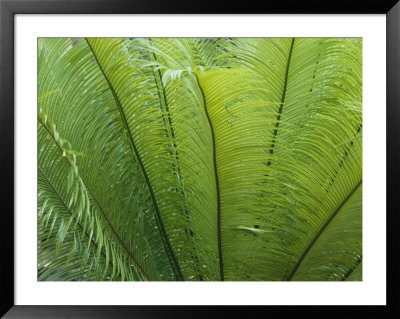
(370, 291)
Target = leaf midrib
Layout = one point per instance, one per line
(69, 211)
(275, 133)
(167, 244)
(171, 134)
(220, 255)
(283, 97)
(350, 272)
(104, 215)
(318, 235)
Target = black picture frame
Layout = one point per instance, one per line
(8, 10)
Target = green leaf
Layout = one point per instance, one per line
(280, 168)
(200, 159)
(336, 250)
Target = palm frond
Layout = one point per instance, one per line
(159, 135)
(282, 173)
(200, 159)
(93, 127)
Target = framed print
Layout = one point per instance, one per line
(158, 155)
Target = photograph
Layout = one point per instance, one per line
(199, 159)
